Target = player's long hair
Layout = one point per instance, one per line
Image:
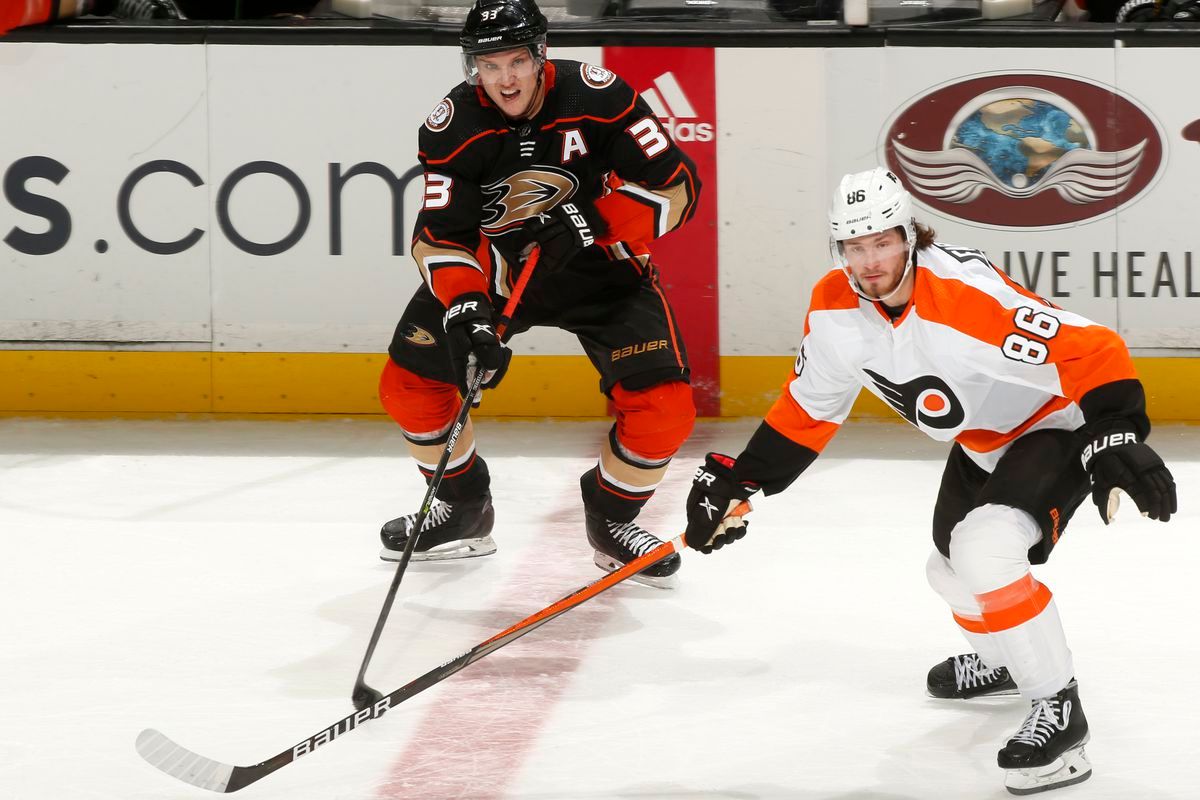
(925, 235)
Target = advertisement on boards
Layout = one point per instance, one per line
(1070, 181)
(679, 85)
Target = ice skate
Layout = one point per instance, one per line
(966, 676)
(618, 543)
(1047, 751)
(459, 529)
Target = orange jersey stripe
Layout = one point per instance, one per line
(1085, 357)
(1014, 604)
(461, 147)
(790, 419)
(981, 440)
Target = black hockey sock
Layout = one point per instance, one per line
(462, 482)
(615, 503)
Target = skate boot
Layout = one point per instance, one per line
(618, 543)
(966, 676)
(1047, 751)
(459, 529)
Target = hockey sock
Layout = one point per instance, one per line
(466, 473)
(989, 553)
(621, 482)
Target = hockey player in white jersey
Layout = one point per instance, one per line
(1043, 406)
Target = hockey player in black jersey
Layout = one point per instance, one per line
(566, 156)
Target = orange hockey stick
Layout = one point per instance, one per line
(189, 767)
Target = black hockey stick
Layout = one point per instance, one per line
(363, 695)
(189, 767)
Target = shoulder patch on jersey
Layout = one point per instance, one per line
(441, 115)
(596, 77)
(419, 336)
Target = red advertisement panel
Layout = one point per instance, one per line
(679, 84)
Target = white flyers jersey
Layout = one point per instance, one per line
(974, 358)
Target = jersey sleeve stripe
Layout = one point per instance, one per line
(790, 419)
(448, 271)
(658, 204)
(427, 235)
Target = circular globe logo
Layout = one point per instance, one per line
(1024, 150)
(1019, 138)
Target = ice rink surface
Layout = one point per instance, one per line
(218, 580)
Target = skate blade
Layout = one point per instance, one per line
(1003, 694)
(463, 548)
(1070, 768)
(609, 564)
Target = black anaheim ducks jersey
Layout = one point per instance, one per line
(594, 141)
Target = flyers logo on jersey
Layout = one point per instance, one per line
(672, 107)
(1024, 150)
(927, 401)
(522, 196)
(441, 115)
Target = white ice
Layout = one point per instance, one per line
(218, 580)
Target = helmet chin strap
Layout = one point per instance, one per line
(908, 265)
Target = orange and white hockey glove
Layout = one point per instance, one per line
(716, 494)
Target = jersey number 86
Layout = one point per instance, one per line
(1022, 348)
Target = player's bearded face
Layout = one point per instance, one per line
(877, 261)
(510, 79)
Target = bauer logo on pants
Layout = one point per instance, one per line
(1024, 150)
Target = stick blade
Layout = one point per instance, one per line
(179, 762)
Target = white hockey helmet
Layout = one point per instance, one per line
(866, 203)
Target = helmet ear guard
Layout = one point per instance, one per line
(867, 203)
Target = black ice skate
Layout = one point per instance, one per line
(618, 543)
(1047, 752)
(966, 676)
(461, 529)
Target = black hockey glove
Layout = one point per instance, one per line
(1117, 460)
(563, 232)
(471, 334)
(715, 493)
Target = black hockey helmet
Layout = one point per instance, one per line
(496, 25)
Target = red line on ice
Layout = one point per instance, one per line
(475, 739)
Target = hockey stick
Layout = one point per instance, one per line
(179, 762)
(363, 695)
